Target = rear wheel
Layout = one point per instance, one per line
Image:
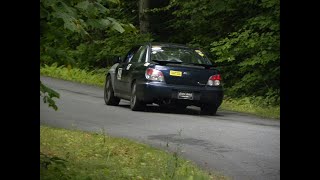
(109, 97)
(209, 109)
(135, 103)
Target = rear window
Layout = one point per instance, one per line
(179, 54)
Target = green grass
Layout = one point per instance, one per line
(244, 105)
(72, 154)
(97, 78)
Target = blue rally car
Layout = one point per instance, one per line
(166, 74)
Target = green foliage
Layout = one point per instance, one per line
(250, 56)
(67, 154)
(48, 94)
(198, 23)
(101, 53)
(80, 32)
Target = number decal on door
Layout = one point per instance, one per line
(119, 73)
(128, 67)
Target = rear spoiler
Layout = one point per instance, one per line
(178, 63)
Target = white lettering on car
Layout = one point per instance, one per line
(128, 67)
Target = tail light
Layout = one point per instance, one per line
(214, 80)
(154, 75)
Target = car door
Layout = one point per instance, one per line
(134, 69)
(120, 82)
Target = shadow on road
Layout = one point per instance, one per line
(191, 110)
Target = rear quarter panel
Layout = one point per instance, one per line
(112, 73)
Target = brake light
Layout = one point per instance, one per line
(215, 77)
(154, 75)
(214, 80)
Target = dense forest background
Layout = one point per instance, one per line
(241, 36)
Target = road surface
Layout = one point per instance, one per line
(237, 145)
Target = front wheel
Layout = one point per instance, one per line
(135, 103)
(109, 97)
(209, 109)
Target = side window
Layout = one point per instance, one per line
(140, 56)
(130, 54)
(143, 56)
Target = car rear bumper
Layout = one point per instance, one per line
(155, 91)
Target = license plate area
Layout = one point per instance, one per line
(185, 95)
(175, 73)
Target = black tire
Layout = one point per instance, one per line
(135, 103)
(109, 97)
(209, 109)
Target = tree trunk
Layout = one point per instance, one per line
(143, 16)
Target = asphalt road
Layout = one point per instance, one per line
(238, 145)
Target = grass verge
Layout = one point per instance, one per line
(71, 154)
(244, 105)
(97, 77)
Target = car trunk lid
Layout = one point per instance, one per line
(186, 74)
